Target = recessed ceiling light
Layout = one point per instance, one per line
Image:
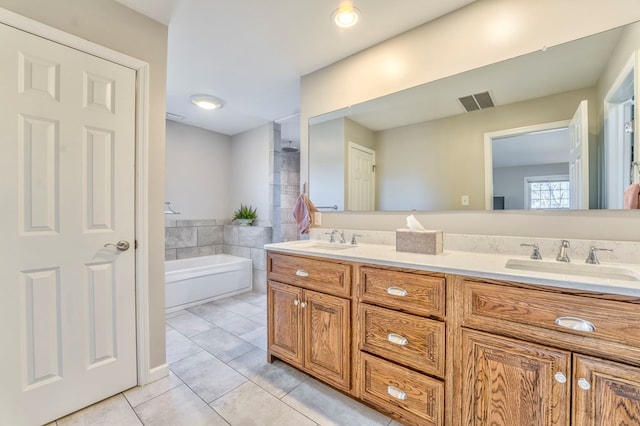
(207, 101)
(346, 15)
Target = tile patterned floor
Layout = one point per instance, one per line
(219, 376)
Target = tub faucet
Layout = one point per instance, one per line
(563, 256)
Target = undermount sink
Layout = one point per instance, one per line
(330, 246)
(582, 269)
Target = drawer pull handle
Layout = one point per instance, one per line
(396, 393)
(576, 324)
(397, 291)
(397, 339)
(302, 273)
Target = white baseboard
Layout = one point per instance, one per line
(157, 373)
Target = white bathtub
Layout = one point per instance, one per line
(198, 280)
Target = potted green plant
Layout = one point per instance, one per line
(245, 215)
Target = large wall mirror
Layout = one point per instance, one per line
(553, 129)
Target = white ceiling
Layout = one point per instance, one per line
(547, 147)
(252, 53)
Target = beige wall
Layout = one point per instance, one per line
(251, 171)
(430, 165)
(110, 24)
(326, 183)
(198, 175)
(502, 29)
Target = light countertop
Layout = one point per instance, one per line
(481, 265)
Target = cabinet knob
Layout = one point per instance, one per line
(296, 302)
(560, 377)
(396, 393)
(584, 383)
(575, 324)
(397, 291)
(303, 304)
(397, 339)
(302, 273)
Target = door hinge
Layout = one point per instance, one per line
(373, 168)
(135, 244)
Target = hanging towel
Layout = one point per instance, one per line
(632, 196)
(302, 210)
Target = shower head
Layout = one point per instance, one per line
(290, 148)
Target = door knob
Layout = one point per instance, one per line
(120, 245)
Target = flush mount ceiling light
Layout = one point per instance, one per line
(207, 101)
(346, 15)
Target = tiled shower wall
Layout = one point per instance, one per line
(286, 189)
(193, 238)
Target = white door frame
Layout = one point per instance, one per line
(488, 151)
(145, 375)
(614, 149)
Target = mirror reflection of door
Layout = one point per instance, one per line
(620, 141)
(539, 167)
(361, 178)
(579, 158)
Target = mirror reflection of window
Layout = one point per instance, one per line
(548, 192)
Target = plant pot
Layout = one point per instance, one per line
(244, 222)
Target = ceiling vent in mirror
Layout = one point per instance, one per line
(478, 101)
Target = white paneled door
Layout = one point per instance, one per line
(67, 301)
(579, 158)
(361, 188)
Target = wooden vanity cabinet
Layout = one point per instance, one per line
(400, 335)
(519, 366)
(309, 329)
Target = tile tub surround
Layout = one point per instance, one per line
(194, 238)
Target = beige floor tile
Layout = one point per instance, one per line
(278, 378)
(138, 395)
(112, 411)
(178, 346)
(249, 405)
(327, 406)
(239, 307)
(179, 406)
(257, 337)
(207, 376)
(222, 344)
(190, 324)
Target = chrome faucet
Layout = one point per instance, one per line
(340, 233)
(592, 258)
(535, 253)
(563, 256)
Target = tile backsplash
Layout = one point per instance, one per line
(623, 251)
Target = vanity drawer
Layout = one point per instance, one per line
(325, 276)
(410, 292)
(415, 398)
(410, 340)
(497, 305)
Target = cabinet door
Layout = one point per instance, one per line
(510, 382)
(605, 393)
(327, 337)
(285, 322)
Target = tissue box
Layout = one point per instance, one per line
(427, 242)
